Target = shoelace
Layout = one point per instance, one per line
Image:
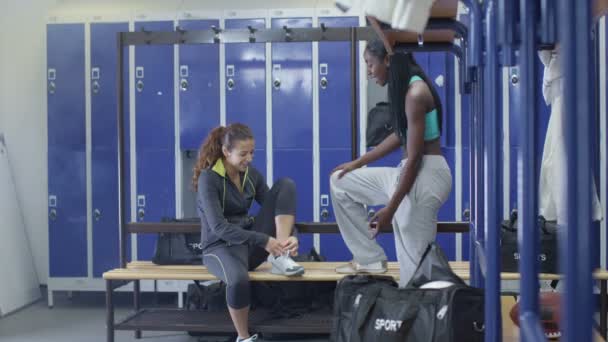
(288, 260)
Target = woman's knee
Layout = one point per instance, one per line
(286, 184)
(237, 292)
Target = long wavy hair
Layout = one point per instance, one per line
(211, 149)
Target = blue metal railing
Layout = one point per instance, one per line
(527, 192)
(473, 59)
(492, 193)
(574, 35)
(535, 21)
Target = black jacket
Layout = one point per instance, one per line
(224, 210)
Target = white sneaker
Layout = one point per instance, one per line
(284, 265)
(355, 267)
(250, 339)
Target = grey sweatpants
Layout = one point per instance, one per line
(415, 221)
(232, 263)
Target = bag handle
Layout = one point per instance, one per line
(512, 226)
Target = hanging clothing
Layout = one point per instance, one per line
(552, 190)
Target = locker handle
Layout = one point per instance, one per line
(95, 87)
(97, 214)
(324, 214)
(140, 85)
(141, 213)
(323, 82)
(371, 213)
(183, 84)
(230, 84)
(52, 87)
(277, 83)
(53, 214)
(466, 215)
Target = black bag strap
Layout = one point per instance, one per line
(511, 224)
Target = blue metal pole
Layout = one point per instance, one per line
(507, 30)
(527, 191)
(474, 51)
(492, 193)
(574, 33)
(548, 26)
(473, 74)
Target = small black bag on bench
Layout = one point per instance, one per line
(178, 248)
(547, 255)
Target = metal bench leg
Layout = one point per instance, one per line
(603, 304)
(109, 311)
(136, 304)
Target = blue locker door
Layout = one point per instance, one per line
(66, 151)
(334, 124)
(246, 87)
(292, 118)
(104, 144)
(199, 87)
(155, 137)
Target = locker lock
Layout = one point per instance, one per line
(514, 79)
(276, 83)
(324, 214)
(230, 84)
(141, 213)
(514, 75)
(183, 84)
(96, 214)
(323, 82)
(52, 87)
(53, 214)
(95, 87)
(140, 85)
(371, 213)
(466, 215)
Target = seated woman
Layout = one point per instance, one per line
(233, 242)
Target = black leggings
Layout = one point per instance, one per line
(232, 263)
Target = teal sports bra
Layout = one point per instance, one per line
(431, 122)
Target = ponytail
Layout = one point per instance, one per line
(211, 149)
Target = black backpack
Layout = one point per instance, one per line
(379, 124)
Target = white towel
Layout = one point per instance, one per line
(411, 15)
(552, 189)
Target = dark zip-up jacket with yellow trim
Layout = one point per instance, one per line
(224, 210)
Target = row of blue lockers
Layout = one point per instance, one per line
(198, 96)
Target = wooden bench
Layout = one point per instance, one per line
(181, 320)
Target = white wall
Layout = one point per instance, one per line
(23, 87)
(23, 113)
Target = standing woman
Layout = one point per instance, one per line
(234, 242)
(414, 191)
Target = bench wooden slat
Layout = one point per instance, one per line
(315, 271)
(303, 227)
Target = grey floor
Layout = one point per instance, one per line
(82, 318)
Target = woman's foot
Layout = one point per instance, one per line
(284, 265)
(251, 338)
